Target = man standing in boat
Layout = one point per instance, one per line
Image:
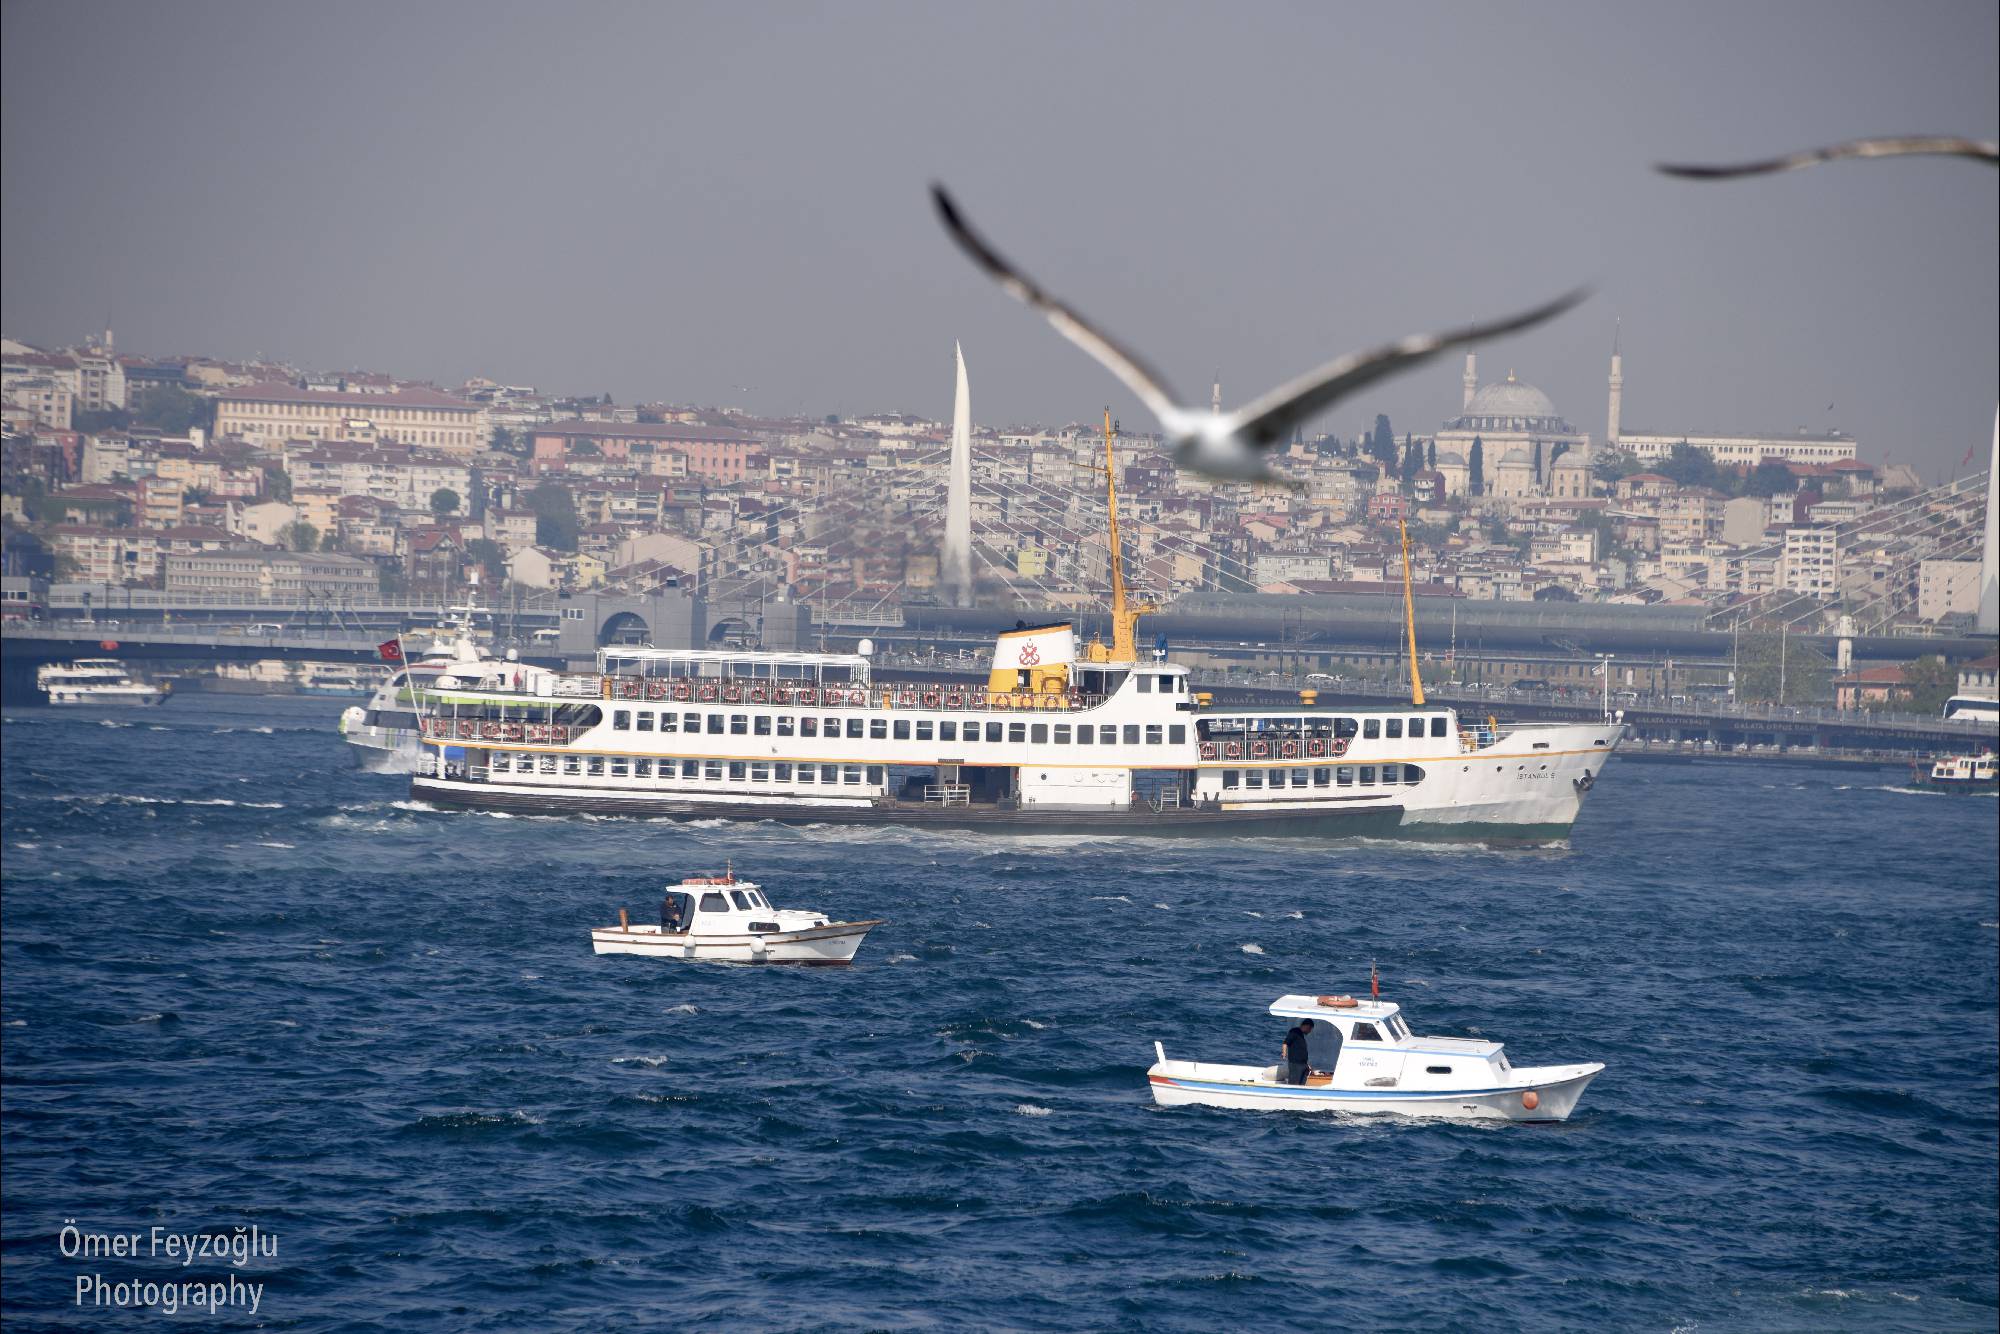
(1297, 1059)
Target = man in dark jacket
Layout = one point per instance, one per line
(1297, 1059)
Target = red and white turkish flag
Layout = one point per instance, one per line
(391, 650)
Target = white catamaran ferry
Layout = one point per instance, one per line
(1053, 741)
(384, 732)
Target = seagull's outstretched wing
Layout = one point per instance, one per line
(1270, 419)
(1136, 375)
(1983, 150)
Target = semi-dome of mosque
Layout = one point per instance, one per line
(1511, 405)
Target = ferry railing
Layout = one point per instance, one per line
(948, 794)
(732, 690)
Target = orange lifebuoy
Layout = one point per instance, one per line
(1208, 750)
(732, 694)
(760, 694)
(1339, 746)
(681, 690)
(954, 700)
(931, 698)
(656, 690)
(1337, 1002)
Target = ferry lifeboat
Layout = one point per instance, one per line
(1363, 1058)
(723, 918)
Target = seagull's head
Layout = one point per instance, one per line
(1204, 442)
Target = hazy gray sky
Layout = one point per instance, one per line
(725, 203)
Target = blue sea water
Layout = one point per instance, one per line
(246, 984)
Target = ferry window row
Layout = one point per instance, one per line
(897, 729)
(1344, 775)
(1376, 728)
(690, 771)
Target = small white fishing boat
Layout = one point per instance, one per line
(721, 917)
(1363, 1058)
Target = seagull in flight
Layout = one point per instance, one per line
(1230, 446)
(1911, 145)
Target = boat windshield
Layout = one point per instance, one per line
(1397, 1027)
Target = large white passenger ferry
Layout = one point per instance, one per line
(1052, 741)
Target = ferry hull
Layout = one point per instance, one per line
(1375, 821)
(1556, 1089)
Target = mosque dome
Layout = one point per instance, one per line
(1512, 398)
(1511, 407)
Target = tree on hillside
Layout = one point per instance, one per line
(1690, 466)
(1769, 478)
(1382, 444)
(556, 523)
(1413, 460)
(1431, 454)
(1930, 682)
(96, 421)
(277, 483)
(1538, 460)
(1475, 472)
(1614, 465)
(444, 501)
(490, 556)
(172, 409)
(1560, 448)
(502, 440)
(299, 536)
(1781, 669)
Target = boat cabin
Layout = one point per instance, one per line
(1368, 1044)
(714, 904)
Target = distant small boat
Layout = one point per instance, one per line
(97, 681)
(345, 681)
(726, 919)
(1958, 773)
(1365, 1059)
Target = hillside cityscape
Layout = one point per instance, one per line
(205, 476)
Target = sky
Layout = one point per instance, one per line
(724, 204)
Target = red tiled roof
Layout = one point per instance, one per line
(683, 431)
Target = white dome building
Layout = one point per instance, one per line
(1506, 417)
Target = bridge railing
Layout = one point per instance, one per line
(1586, 699)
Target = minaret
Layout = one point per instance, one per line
(1617, 392)
(1989, 556)
(1471, 380)
(957, 570)
(1215, 396)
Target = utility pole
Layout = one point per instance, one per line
(1604, 665)
(1784, 643)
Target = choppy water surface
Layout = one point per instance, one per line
(246, 984)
